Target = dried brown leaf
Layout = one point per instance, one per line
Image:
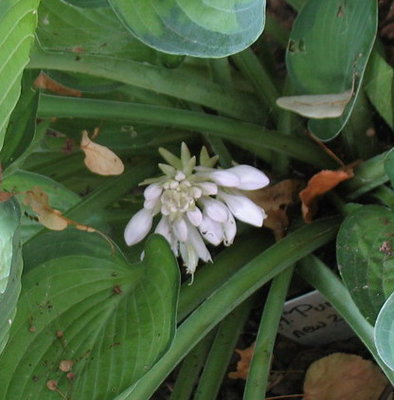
(43, 81)
(319, 184)
(275, 200)
(243, 364)
(4, 196)
(342, 376)
(47, 216)
(100, 159)
(52, 218)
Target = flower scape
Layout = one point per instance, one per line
(198, 204)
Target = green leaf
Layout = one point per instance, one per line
(62, 27)
(210, 28)
(329, 48)
(17, 24)
(384, 332)
(88, 3)
(365, 246)
(389, 166)
(10, 266)
(22, 125)
(379, 86)
(84, 303)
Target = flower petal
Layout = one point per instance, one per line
(250, 178)
(224, 178)
(153, 191)
(189, 256)
(215, 209)
(195, 239)
(211, 230)
(195, 216)
(230, 229)
(163, 228)
(244, 209)
(180, 229)
(208, 188)
(138, 227)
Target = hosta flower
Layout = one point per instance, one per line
(197, 204)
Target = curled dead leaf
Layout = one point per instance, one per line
(342, 376)
(4, 196)
(43, 81)
(275, 200)
(243, 364)
(100, 159)
(47, 216)
(51, 218)
(319, 184)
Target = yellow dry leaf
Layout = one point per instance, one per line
(43, 81)
(342, 376)
(52, 218)
(4, 196)
(319, 184)
(47, 216)
(275, 200)
(243, 364)
(317, 106)
(100, 159)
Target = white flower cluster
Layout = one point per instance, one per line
(197, 203)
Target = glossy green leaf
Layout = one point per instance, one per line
(202, 28)
(88, 3)
(10, 266)
(85, 303)
(379, 86)
(329, 48)
(21, 128)
(365, 253)
(389, 166)
(17, 24)
(62, 27)
(384, 332)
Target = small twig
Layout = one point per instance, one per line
(326, 150)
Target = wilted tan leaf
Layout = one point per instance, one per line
(43, 81)
(275, 200)
(319, 184)
(342, 376)
(47, 216)
(243, 364)
(317, 106)
(52, 218)
(4, 196)
(100, 159)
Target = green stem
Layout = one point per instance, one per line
(385, 195)
(186, 86)
(369, 175)
(191, 368)
(328, 284)
(227, 262)
(260, 366)
(296, 4)
(251, 67)
(222, 349)
(276, 30)
(233, 292)
(242, 133)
